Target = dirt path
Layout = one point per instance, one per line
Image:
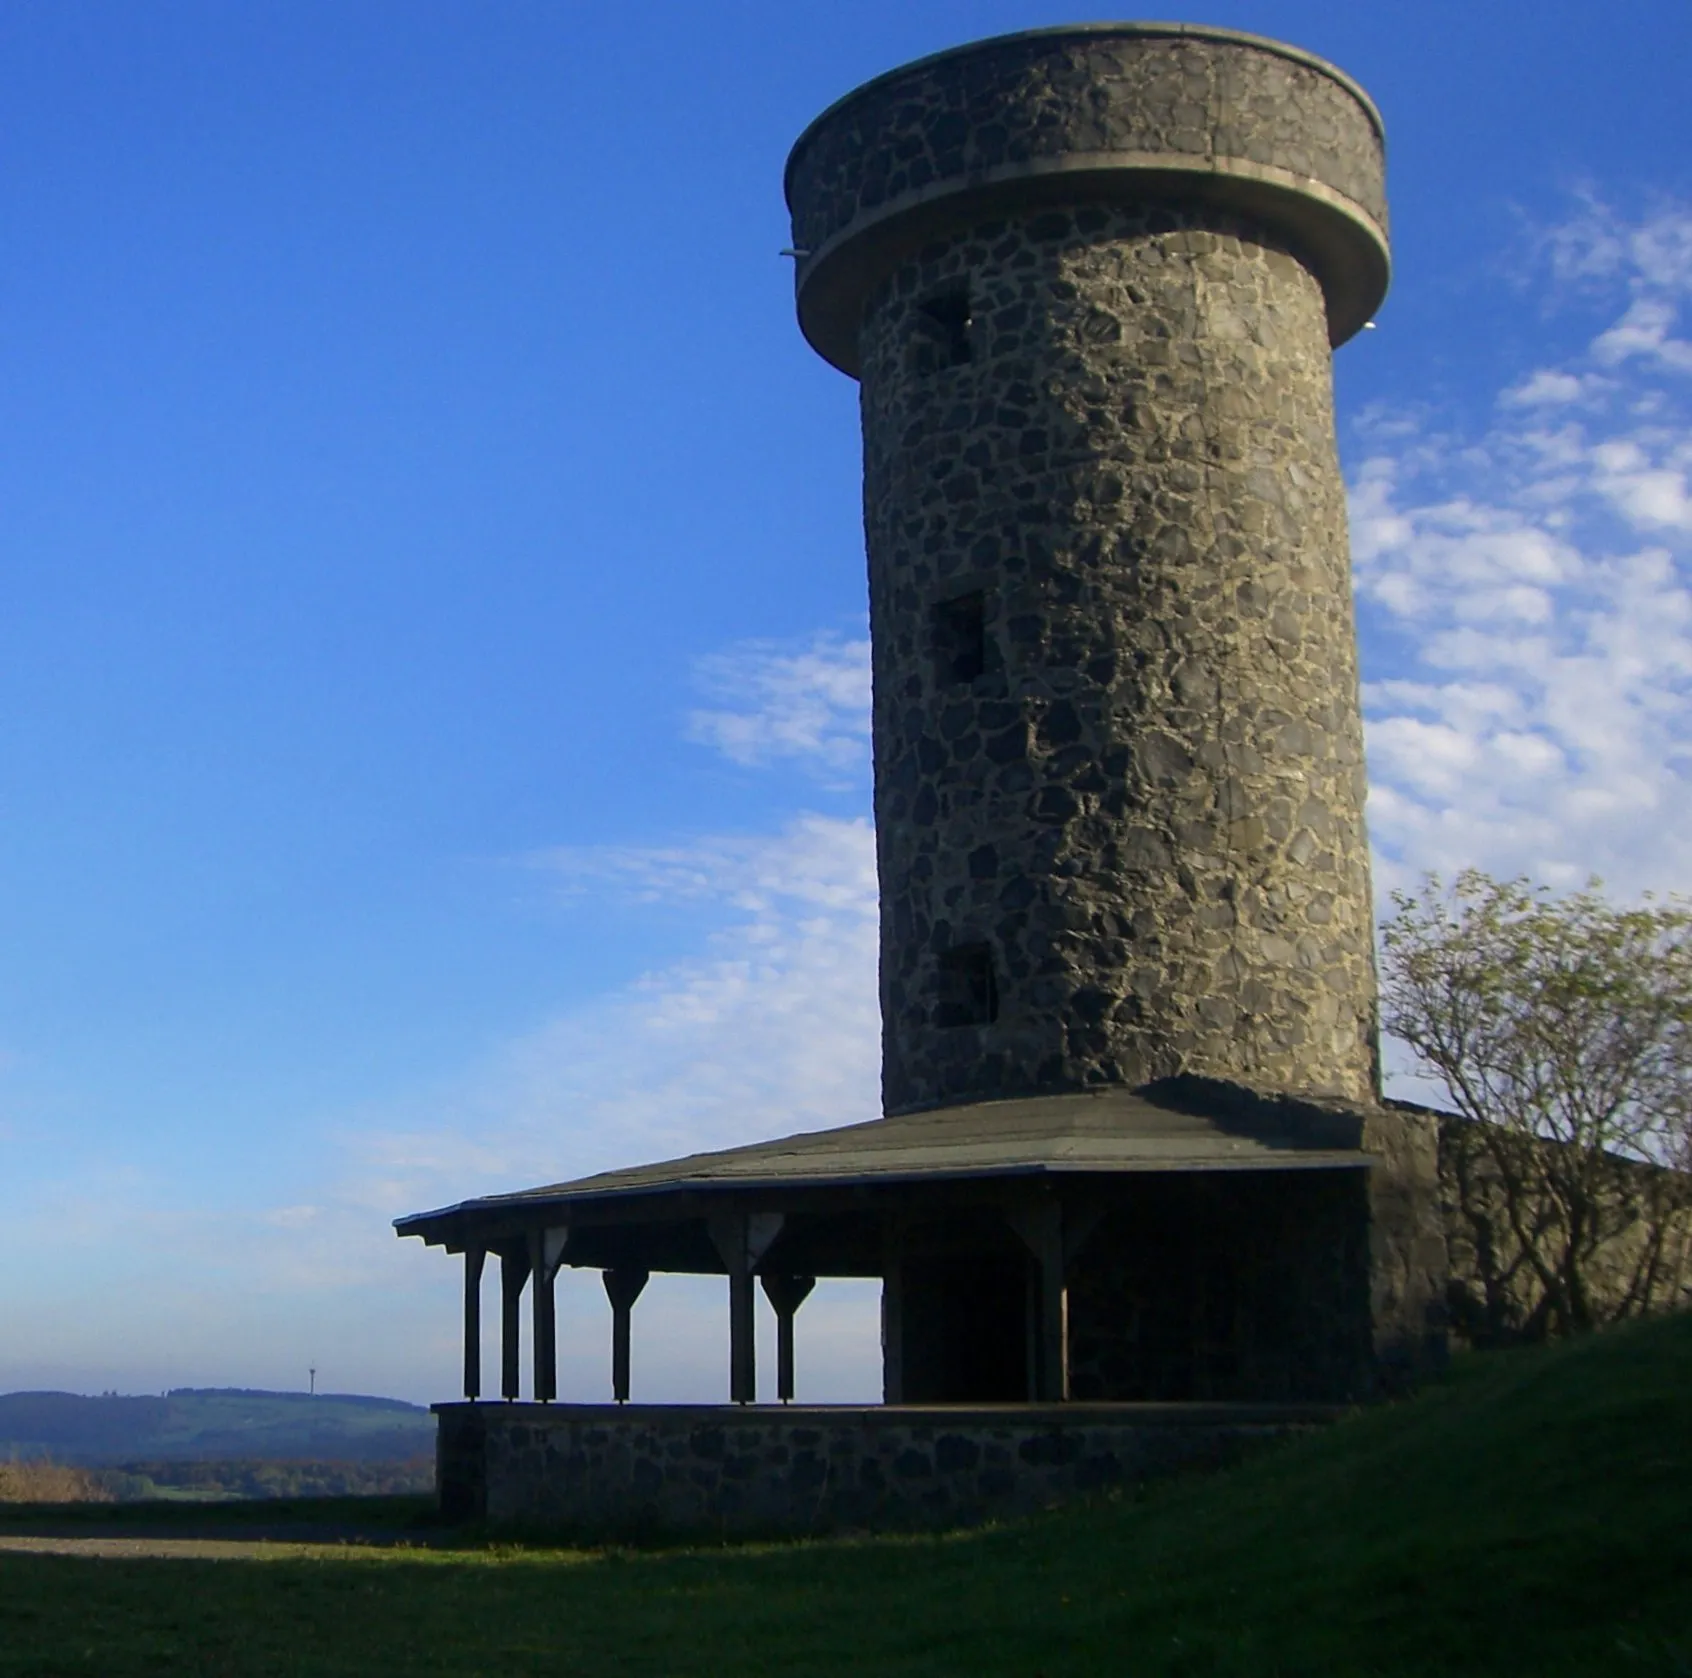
(133, 1545)
(224, 1541)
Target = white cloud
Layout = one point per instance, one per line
(808, 706)
(1647, 488)
(1596, 248)
(290, 1217)
(770, 1026)
(1525, 598)
(1546, 388)
(1644, 331)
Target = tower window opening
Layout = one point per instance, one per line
(969, 990)
(941, 338)
(960, 637)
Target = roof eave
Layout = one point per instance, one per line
(440, 1227)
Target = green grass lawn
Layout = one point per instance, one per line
(1528, 1518)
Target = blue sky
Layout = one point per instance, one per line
(432, 742)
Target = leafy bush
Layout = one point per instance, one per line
(267, 1478)
(41, 1481)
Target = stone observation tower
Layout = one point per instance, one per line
(1089, 279)
(1134, 1193)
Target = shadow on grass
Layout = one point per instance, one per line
(301, 1520)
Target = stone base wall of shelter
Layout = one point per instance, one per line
(1643, 1263)
(609, 1470)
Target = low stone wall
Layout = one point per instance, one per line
(1638, 1261)
(605, 1469)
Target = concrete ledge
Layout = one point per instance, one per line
(607, 1469)
(1344, 246)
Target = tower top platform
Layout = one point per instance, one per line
(1096, 114)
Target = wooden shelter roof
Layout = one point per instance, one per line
(1185, 1124)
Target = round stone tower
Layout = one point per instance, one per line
(1088, 279)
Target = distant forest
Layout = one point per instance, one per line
(199, 1425)
(363, 1399)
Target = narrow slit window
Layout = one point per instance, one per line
(969, 990)
(960, 637)
(941, 335)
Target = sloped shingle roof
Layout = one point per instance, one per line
(1184, 1125)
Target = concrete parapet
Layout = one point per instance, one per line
(1097, 113)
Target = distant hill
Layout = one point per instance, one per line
(206, 1424)
(318, 1398)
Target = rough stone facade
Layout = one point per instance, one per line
(1147, 805)
(678, 1469)
(1119, 767)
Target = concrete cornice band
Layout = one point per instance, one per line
(1342, 241)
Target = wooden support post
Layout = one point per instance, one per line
(784, 1357)
(741, 1239)
(1040, 1224)
(1032, 1389)
(546, 1254)
(622, 1288)
(543, 1336)
(743, 1346)
(474, 1259)
(893, 1316)
(786, 1293)
(513, 1273)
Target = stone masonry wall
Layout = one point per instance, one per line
(1641, 1264)
(1146, 805)
(608, 1470)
